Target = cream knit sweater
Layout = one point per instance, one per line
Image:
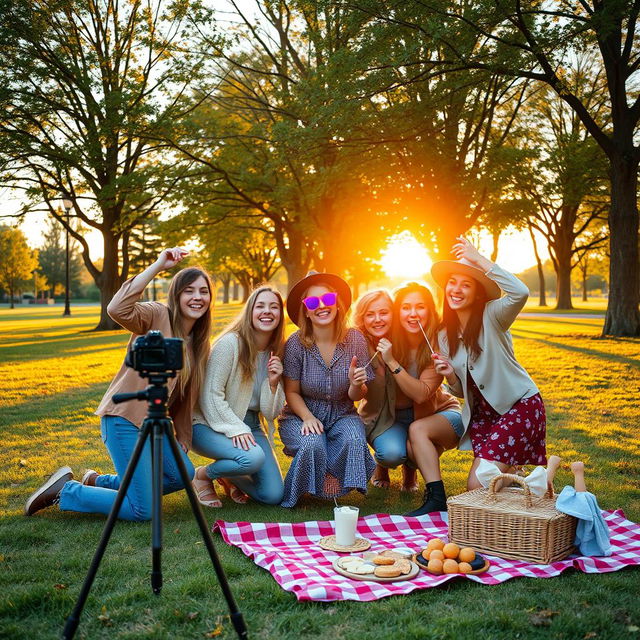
(225, 394)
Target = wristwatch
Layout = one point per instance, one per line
(398, 370)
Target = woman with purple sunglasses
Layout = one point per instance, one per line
(324, 374)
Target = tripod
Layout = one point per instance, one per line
(155, 426)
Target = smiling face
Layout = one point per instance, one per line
(460, 291)
(377, 318)
(323, 316)
(413, 312)
(195, 299)
(266, 313)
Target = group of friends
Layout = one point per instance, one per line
(387, 384)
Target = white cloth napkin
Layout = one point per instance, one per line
(537, 479)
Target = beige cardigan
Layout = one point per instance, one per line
(498, 375)
(140, 317)
(225, 395)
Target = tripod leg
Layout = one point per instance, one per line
(156, 508)
(72, 621)
(236, 614)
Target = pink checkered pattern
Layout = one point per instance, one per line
(289, 551)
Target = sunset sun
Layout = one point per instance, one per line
(405, 257)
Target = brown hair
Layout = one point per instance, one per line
(339, 323)
(362, 306)
(471, 333)
(242, 326)
(400, 342)
(200, 333)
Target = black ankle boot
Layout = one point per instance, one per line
(435, 499)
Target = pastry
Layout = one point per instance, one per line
(404, 565)
(388, 571)
(396, 555)
(383, 560)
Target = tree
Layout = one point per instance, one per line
(52, 259)
(539, 41)
(17, 260)
(89, 89)
(566, 181)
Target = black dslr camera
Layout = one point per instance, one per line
(155, 353)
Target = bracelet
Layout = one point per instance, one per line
(398, 370)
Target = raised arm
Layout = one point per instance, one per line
(124, 307)
(505, 310)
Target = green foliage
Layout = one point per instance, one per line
(52, 258)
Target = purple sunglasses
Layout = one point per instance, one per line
(313, 302)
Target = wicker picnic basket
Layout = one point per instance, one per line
(511, 523)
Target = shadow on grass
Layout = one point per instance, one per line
(522, 333)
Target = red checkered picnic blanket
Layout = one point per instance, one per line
(290, 552)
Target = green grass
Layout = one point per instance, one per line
(596, 306)
(54, 372)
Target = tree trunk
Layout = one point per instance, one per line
(109, 281)
(583, 271)
(562, 247)
(622, 317)
(235, 290)
(12, 304)
(496, 239)
(226, 282)
(542, 298)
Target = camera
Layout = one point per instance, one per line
(155, 353)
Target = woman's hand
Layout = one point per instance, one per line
(244, 441)
(274, 371)
(357, 375)
(169, 258)
(464, 249)
(385, 350)
(442, 365)
(311, 425)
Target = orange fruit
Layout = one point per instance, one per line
(467, 554)
(451, 550)
(465, 567)
(436, 554)
(435, 566)
(435, 543)
(426, 553)
(450, 566)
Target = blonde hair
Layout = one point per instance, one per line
(200, 332)
(339, 322)
(401, 347)
(242, 326)
(362, 306)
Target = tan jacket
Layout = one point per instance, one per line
(377, 409)
(139, 318)
(496, 372)
(226, 394)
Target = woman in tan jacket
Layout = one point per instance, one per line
(187, 315)
(422, 407)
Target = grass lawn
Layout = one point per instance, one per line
(54, 372)
(596, 306)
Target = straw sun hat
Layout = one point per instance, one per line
(294, 299)
(443, 269)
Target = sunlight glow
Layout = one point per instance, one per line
(405, 257)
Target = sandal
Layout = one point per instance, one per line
(409, 479)
(237, 495)
(205, 492)
(380, 478)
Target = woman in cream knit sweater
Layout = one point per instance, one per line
(241, 386)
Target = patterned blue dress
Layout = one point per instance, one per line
(341, 451)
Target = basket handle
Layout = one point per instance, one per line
(510, 478)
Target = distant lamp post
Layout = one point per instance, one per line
(67, 308)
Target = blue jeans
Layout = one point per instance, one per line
(120, 437)
(390, 447)
(255, 472)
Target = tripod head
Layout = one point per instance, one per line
(157, 358)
